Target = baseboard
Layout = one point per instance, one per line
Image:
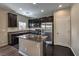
(62, 45)
(22, 53)
(73, 51)
(5, 44)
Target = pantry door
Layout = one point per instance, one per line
(62, 30)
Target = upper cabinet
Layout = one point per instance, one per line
(47, 19)
(37, 22)
(12, 20)
(34, 23)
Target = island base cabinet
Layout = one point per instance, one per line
(31, 48)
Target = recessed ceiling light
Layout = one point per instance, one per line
(60, 6)
(42, 10)
(20, 8)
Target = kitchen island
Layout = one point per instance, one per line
(31, 45)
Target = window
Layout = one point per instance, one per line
(22, 25)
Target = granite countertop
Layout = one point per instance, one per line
(37, 38)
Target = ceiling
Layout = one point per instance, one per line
(34, 10)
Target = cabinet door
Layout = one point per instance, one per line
(30, 47)
(33, 48)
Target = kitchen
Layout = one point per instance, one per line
(39, 34)
(34, 33)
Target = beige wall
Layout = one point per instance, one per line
(62, 27)
(75, 28)
(74, 25)
(4, 26)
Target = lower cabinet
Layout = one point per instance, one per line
(30, 47)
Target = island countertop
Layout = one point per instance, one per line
(37, 38)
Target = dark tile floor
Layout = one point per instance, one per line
(57, 50)
(9, 51)
(48, 51)
(16, 46)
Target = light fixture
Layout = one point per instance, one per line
(60, 6)
(42, 10)
(20, 8)
(24, 13)
(34, 3)
(27, 13)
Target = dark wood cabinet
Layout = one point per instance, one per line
(37, 22)
(12, 20)
(47, 19)
(34, 23)
(12, 37)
